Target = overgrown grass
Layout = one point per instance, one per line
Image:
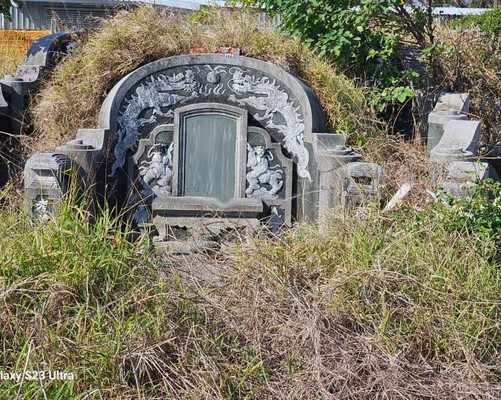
(402, 305)
(78, 297)
(383, 307)
(13, 47)
(390, 306)
(132, 39)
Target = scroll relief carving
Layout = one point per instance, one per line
(258, 160)
(157, 169)
(163, 93)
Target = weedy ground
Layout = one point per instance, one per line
(388, 306)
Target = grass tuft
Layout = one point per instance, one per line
(400, 305)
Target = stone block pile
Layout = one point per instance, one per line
(454, 146)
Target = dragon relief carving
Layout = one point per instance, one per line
(267, 97)
(155, 94)
(258, 160)
(162, 93)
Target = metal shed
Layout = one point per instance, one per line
(71, 14)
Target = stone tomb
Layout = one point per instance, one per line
(209, 138)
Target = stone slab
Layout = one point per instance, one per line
(459, 137)
(198, 206)
(437, 121)
(463, 171)
(453, 101)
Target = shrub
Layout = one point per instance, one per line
(479, 212)
(488, 22)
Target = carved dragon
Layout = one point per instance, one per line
(152, 94)
(270, 99)
(162, 93)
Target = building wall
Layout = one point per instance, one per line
(55, 16)
(28, 16)
(77, 14)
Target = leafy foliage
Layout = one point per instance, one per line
(5, 8)
(360, 36)
(478, 213)
(352, 32)
(488, 22)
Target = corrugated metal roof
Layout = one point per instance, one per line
(458, 11)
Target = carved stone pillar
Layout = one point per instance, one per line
(332, 154)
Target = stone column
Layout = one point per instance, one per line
(332, 155)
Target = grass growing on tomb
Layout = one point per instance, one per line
(132, 39)
(13, 47)
(400, 305)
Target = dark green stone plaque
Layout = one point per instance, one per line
(209, 164)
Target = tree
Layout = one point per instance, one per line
(357, 34)
(5, 8)
(364, 37)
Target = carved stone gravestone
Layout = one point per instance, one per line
(207, 138)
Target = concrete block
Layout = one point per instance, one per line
(453, 101)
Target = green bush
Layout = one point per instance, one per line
(478, 213)
(488, 22)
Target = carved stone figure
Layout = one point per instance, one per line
(41, 210)
(258, 160)
(272, 99)
(158, 166)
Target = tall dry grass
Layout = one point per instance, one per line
(13, 47)
(382, 307)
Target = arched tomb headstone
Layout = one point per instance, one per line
(193, 137)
